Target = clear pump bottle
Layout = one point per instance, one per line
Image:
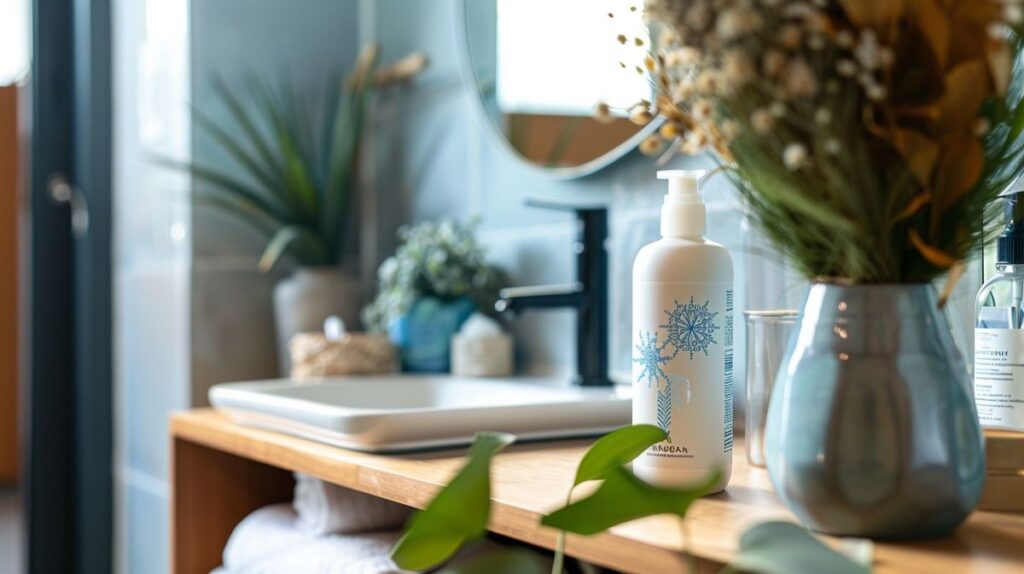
(999, 329)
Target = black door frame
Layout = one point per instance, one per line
(69, 460)
(49, 452)
(94, 379)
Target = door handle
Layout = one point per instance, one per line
(62, 192)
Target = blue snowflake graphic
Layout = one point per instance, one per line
(650, 358)
(690, 328)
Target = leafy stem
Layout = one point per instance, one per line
(684, 535)
(556, 566)
(613, 450)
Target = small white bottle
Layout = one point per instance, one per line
(999, 330)
(682, 343)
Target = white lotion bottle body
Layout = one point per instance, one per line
(682, 338)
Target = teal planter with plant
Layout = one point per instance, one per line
(437, 278)
(870, 140)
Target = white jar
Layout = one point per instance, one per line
(481, 349)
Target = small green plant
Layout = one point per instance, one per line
(441, 259)
(293, 172)
(461, 510)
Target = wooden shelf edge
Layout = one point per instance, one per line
(530, 480)
(608, 549)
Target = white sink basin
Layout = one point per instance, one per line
(406, 412)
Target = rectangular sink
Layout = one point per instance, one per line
(410, 412)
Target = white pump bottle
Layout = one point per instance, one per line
(682, 343)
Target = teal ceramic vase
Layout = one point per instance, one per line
(871, 429)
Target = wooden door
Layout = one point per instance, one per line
(9, 317)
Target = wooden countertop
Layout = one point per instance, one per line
(531, 479)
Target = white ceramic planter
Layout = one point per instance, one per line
(308, 296)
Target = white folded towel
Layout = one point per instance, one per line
(335, 554)
(325, 508)
(264, 533)
(268, 541)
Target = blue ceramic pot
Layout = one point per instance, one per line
(423, 335)
(871, 429)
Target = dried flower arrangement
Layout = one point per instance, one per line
(870, 138)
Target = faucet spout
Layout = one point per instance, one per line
(514, 300)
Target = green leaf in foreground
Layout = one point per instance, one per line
(512, 560)
(623, 497)
(457, 514)
(786, 548)
(616, 449)
(608, 453)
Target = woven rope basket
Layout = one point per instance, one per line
(314, 355)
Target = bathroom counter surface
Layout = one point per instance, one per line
(222, 471)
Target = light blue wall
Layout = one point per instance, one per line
(436, 155)
(300, 42)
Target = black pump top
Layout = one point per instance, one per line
(1010, 246)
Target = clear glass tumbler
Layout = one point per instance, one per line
(767, 338)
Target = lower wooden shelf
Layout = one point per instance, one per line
(222, 471)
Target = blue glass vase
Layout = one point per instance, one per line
(872, 430)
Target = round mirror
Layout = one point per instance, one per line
(541, 69)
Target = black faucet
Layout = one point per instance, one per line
(588, 294)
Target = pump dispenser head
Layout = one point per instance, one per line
(683, 214)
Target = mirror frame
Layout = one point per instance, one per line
(469, 75)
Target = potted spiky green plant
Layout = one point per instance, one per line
(293, 178)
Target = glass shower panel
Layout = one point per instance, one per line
(151, 266)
